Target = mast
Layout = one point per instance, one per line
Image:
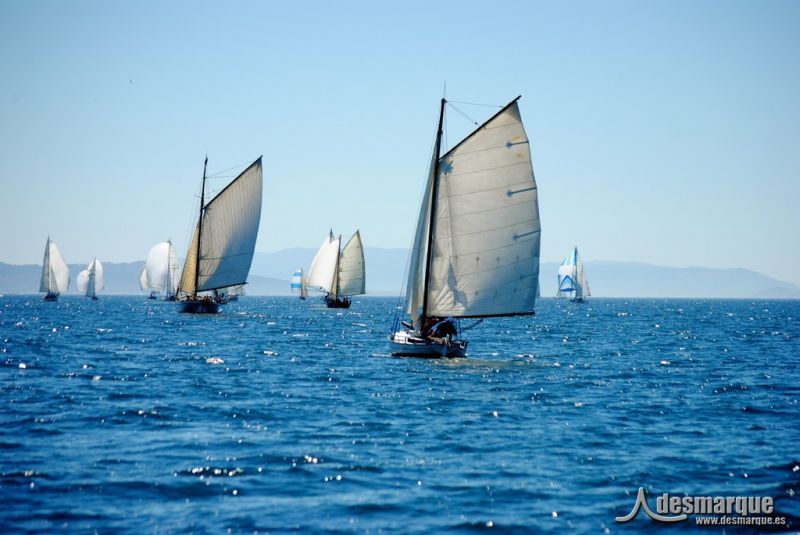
(335, 284)
(200, 229)
(434, 192)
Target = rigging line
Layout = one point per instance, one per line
(218, 173)
(470, 119)
(475, 104)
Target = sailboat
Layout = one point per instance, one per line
(231, 293)
(223, 242)
(160, 272)
(145, 285)
(337, 271)
(55, 273)
(572, 281)
(90, 280)
(299, 283)
(476, 245)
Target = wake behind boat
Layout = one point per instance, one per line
(223, 242)
(476, 247)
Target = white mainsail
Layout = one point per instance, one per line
(323, 267)
(228, 236)
(336, 271)
(303, 285)
(93, 278)
(352, 276)
(161, 269)
(55, 273)
(82, 281)
(486, 230)
(143, 284)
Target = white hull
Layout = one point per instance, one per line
(405, 344)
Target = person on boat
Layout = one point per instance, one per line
(439, 330)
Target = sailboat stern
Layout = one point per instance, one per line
(407, 344)
(198, 306)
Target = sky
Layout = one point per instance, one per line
(661, 132)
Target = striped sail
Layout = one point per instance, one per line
(572, 281)
(297, 280)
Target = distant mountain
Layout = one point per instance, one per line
(386, 270)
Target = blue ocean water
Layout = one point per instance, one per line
(280, 415)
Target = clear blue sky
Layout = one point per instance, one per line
(662, 132)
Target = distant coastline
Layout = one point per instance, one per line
(270, 274)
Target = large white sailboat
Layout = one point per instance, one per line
(223, 242)
(160, 272)
(299, 283)
(476, 246)
(55, 273)
(339, 272)
(90, 280)
(572, 281)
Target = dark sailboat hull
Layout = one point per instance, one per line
(337, 302)
(203, 306)
(50, 297)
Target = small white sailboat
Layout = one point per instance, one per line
(144, 285)
(224, 240)
(55, 273)
(90, 280)
(231, 293)
(339, 272)
(299, 283)
(572, 281)
(476, 247)
(160, 272)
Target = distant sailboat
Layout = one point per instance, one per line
(231, 293)
(337, 271)
(90, 280)
(572, 281)
(55, 273)
(160, 272)
(144, 285)
(476, 247)
(299, 283)
(223, 243)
